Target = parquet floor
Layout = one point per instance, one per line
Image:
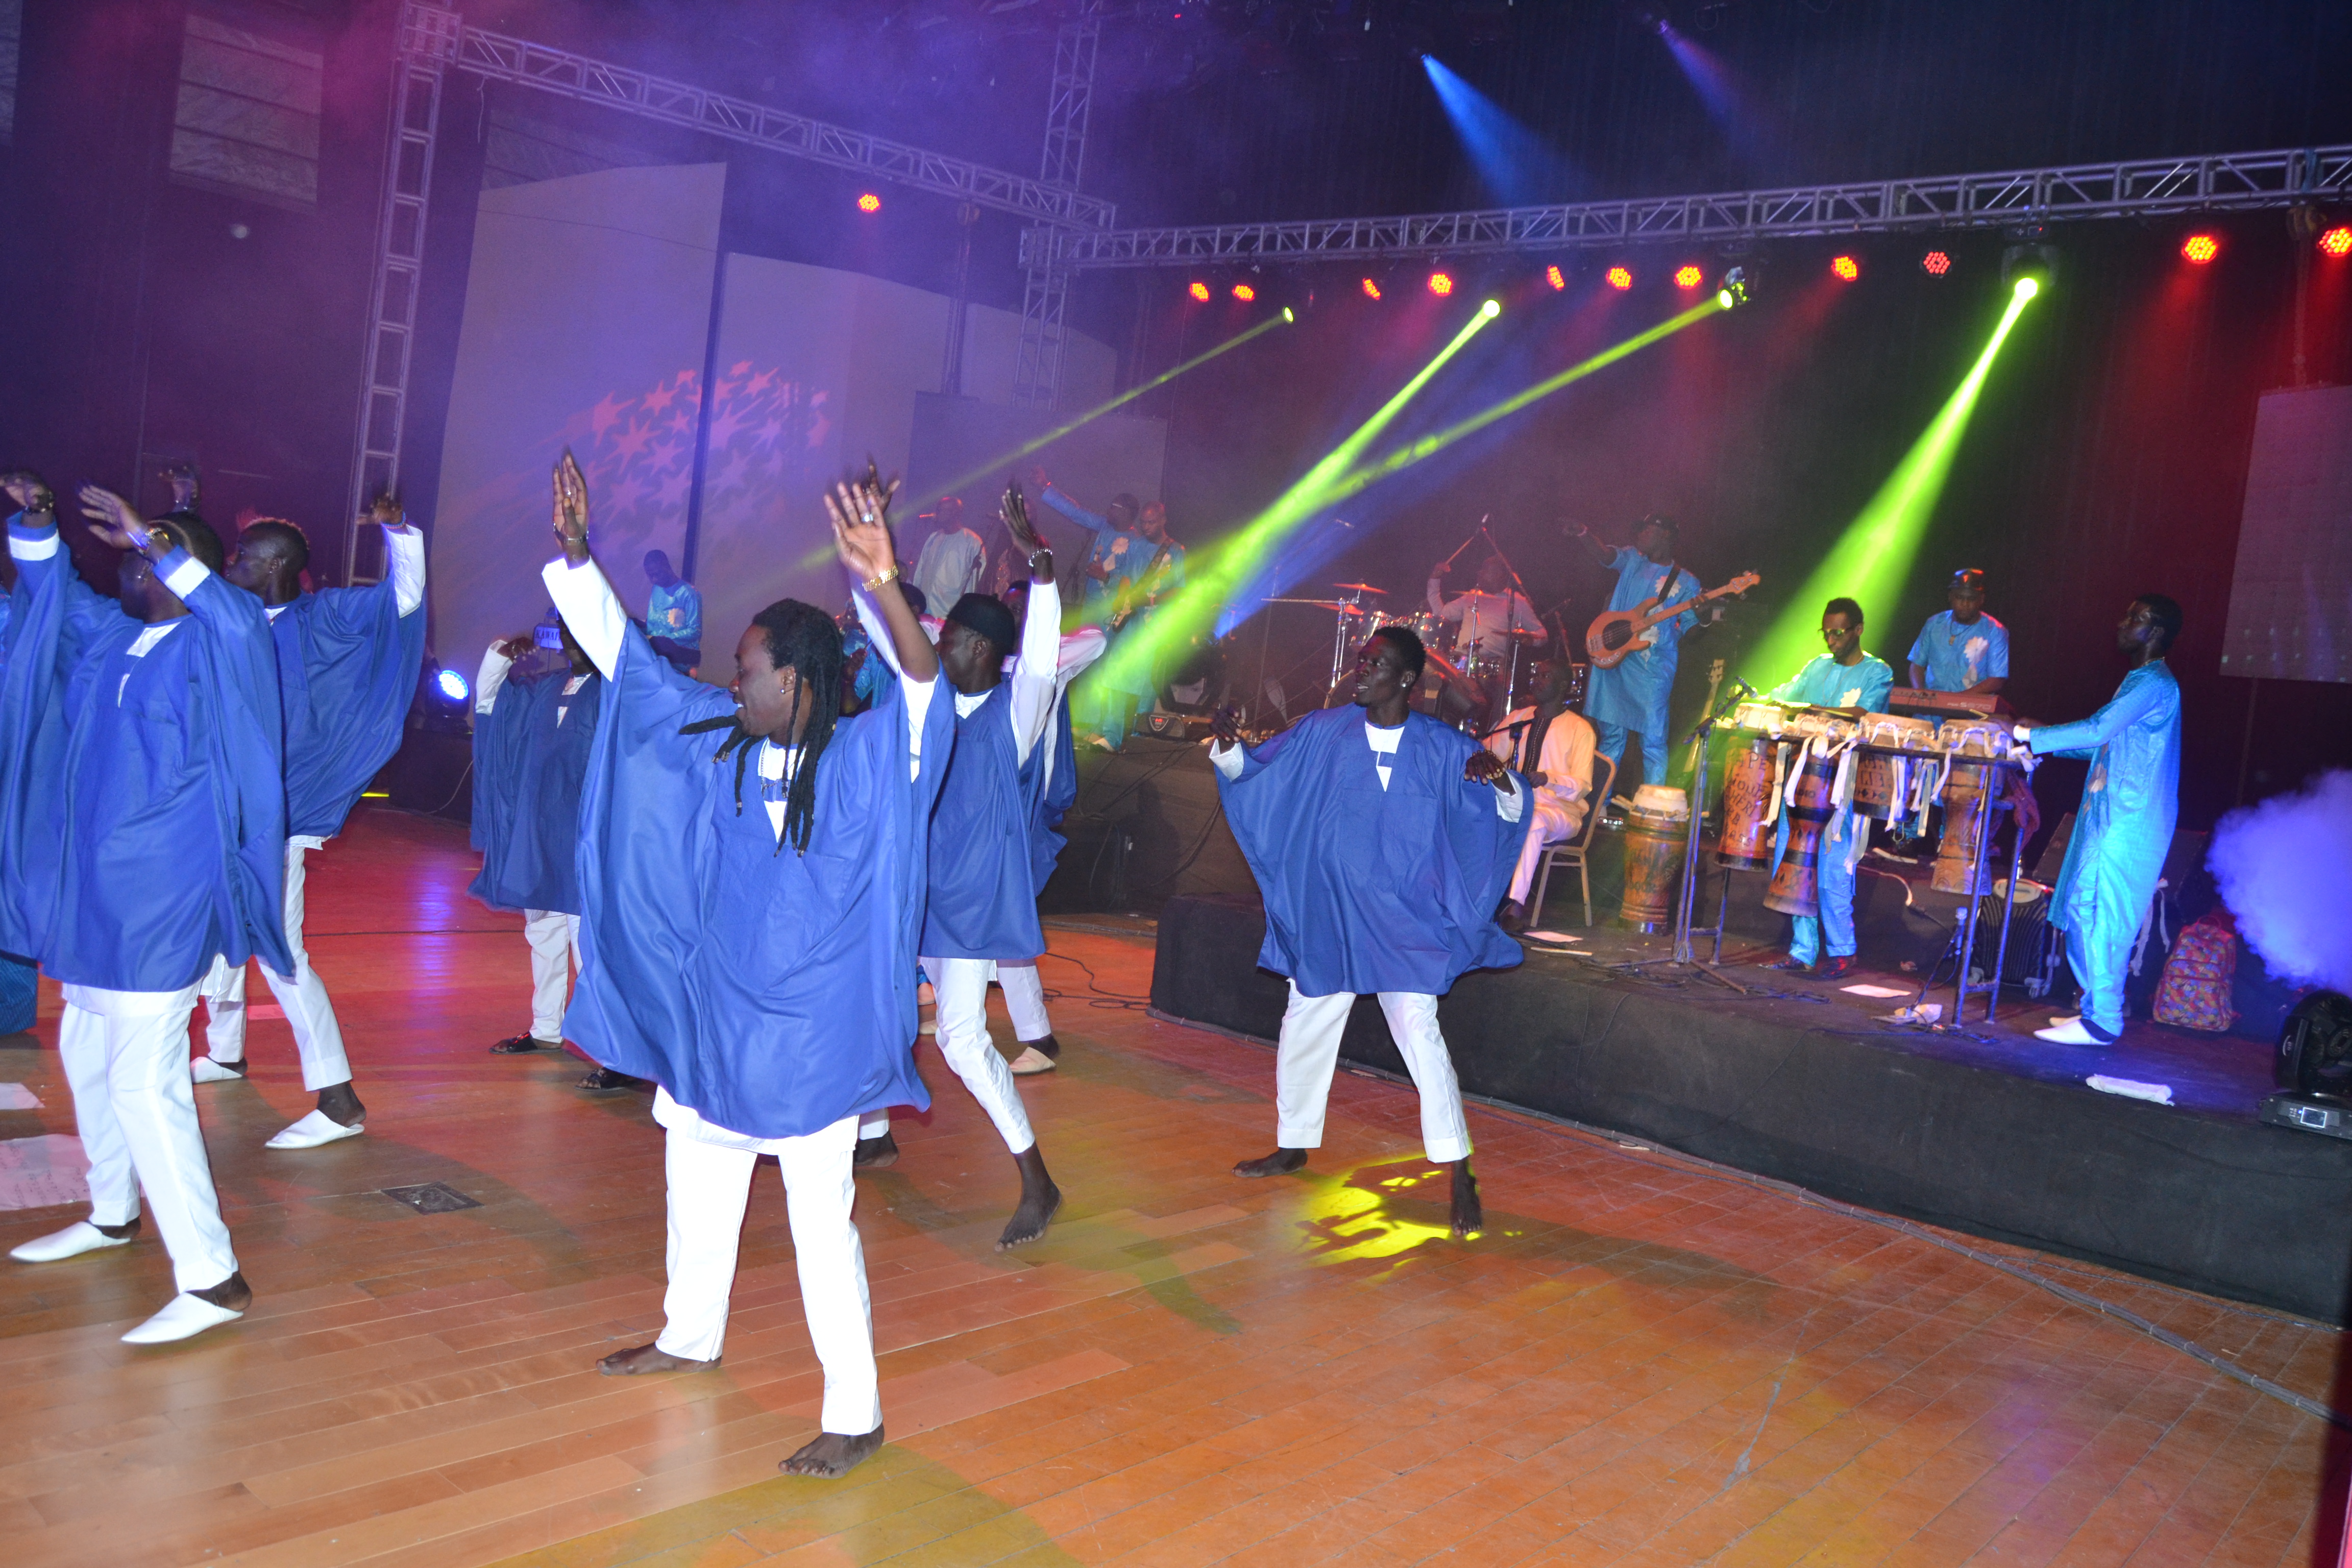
(1644, 1362)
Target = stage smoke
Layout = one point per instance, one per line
(2282, 867)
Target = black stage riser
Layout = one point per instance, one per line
(2232, 1208)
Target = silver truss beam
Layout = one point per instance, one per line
(1045, 285)
(499, 57)
(2217, 183)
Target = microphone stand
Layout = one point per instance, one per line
(1688, 907)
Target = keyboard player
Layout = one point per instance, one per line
(1962, 649)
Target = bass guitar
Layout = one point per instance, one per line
(1615, 635)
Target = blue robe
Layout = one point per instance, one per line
(347, 666)
(1955, 657)
(982, 896)
(770, 991)
(1369, 889)
(1061, 794)
(1631, 695)
(1823, 683)
(2123, 830)
(142, 800)
(528, 773)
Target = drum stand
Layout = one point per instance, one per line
(1971, 917)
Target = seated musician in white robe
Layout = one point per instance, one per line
(1560, 742)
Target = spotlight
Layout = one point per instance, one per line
(2026, 287)
(1686, 276)
(1245, 293)
(1557, 279)
(451, 686)
(1733, 290)
(1619, 277)
(1846, 268)
(1289, 314)
(1371, 289)
(2200, 248)
(1491, 309)
(1440, 283)
(1935, 264)
(1199, 291)
(2336, 241)
(869, 203)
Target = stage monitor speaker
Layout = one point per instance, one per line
(2320, 1113)
(1166, 726)
(2314, 1048)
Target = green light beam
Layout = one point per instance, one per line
(1231, 560)
(1872, 560)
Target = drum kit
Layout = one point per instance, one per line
(1469, 687)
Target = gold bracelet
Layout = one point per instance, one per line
(874, 584)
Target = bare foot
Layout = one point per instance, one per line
(832, 1456)
(649, 1358)
(872, 1153)
(1281, 1162)
(1039, 1200)
(340, 1103)
(232, 1294)
(1468, 1216)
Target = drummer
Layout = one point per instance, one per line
(1961, 648)
(1849, 681)
(1485, 617)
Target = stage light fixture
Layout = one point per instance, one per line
(2336, 241)
(1371, 289)
(1440, 284)
(1935, 264)
(1245, 293)
(2200, 248)
(1619, 277)
(1686, 276)
(1846, 269)
(1733, 290)
(451, 686)
(869, 203)
(1199, 291)
(1491, 309)
(1555, 276)
(2026, 287)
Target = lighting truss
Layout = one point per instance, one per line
(1045, 285)
(2218, 183)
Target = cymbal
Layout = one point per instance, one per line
(1360, 588)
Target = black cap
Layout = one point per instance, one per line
(1968, 577)
(990, 617)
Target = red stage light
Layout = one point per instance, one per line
(1199, 291)
(1935, 264)
(1371, 289)
(1687, 276)
(2336, 241)
(1440, 283)
(1245, 293)
(1619, 277)
(1553, 276)
(1846, 268)
(869, 203)
(2200, 248)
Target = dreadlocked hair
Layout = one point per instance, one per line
(801, 639)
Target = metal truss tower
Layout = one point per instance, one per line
(1046, 285)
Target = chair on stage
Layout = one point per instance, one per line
(1576, 851)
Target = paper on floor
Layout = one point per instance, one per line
(2155, 1093)
(1550, 936)
(42, 1172)
(1875, 992)
(16, 1097)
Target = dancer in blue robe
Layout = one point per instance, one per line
(2123, 830)
(143, 803)
(1632, 694)
(751, 872)
(1381, 841)
(534, 723)
(980, 897)
(347, 666)
(1852, 683)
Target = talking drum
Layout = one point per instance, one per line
(1746, 841)
(1796, 887)
(1966, 820)
(1654, 830)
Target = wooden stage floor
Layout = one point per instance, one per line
(1644, 1361)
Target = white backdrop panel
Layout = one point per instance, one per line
(2291, 595)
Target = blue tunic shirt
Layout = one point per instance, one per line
(981, 897)
(2123, 830)
(1957, 655)
(531, 758)
(347, 666)
(1634, 693)
(1826, 683)
(1367, 889)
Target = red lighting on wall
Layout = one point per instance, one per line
(1935, 264)
(1686, 276)
(869, 203)
(1557, 279)
(2336, 241)
(2200, 248)
(1371, 289)
(1619, 277)
(1846, 268)
(1245, 293)
(1440, 283)
(1199, 291)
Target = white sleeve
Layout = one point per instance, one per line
(1035, 686)
(489, 677)
(590, 607)
(41, 549)
(1512, 807)
(404, 549)
(1227, 759)
(918, 694)
(187, 577)
(1078, 651)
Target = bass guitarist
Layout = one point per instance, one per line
(1632, 695)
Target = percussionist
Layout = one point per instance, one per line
(1849, 681)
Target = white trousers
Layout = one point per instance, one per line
(135, 1108)
(959, 1005)
(1024, 999)
(555, 939)
(710, 1184)
(1312, 1026)
(1547, 825)
(303, 995)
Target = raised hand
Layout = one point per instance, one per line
(181, 477)
(515, 647)
(1225, 724)
(1486, 767)
(571, 515)
(861, 530)
(386, 510)
(27, 490)
(113, 520)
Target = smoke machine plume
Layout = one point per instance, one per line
(2284, 866)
